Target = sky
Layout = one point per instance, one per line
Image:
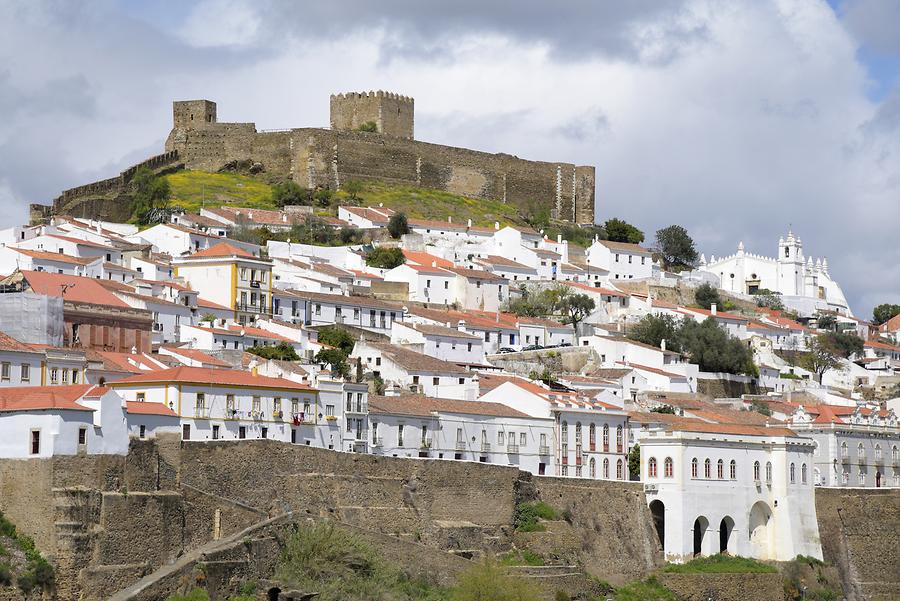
(736, 119)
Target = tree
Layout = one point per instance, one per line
(653, 329)
(282, 351)
(665, 409)
(618, 230)
(714, 349)
(634, 462)
(843, 344)
(337, 337)
(148, 192)
(769, 300)
(323, 197)
(336, 359)
(353, 187)
(384, 257)
(884, 312)
(707, 295)
(827, 322)
(821, 357)
(676, 248)
(397, 225)
(289, 193)
(576, 307)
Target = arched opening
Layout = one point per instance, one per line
(761, 531)
(273, 593)
(726, 527)
(701, 524)
(658, 511)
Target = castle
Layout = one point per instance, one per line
(318, 157)
(805, 285)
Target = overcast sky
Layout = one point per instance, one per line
(733, 119)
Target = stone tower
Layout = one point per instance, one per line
(190, 113)
(391, 113)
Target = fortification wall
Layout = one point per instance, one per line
(858, 528)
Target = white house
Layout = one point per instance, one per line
(415, 372)
(358, 311)
(622, 261)
(427, 283)
(442, 342)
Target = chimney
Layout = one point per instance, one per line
(434, 263)
(496, 225)
(559, 238)
(713, 309)
(449, 218)
(461, 325)
(469, 223)
(662, 344)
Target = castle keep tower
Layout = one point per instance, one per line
(391, 113)
(191, 113)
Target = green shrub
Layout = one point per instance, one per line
(488, 581)
(7, 528)
(721, 564)
(369, 126)
(198, 594)
(524, 557)
(529, 514)
(646, 590)
(5, 575)
(385, 258)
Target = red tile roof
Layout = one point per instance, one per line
(211, 376)
(423, 406)
(222, 249)
(8, 343)
(30, 398)
(145, 408)
(58, 257)
(71, 288)
(423, 258)
(195, 355)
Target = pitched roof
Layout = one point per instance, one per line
(340, 299)
(58, 257)
(652, 370)
(413, 361)
(212, 376)
(498, 261)
(8, 343)
(423, 406)
(624, 247)
(71, 288)
(477, 274)
(29, 398)
(435, 330)
(144, 408)
(195, 355)
(424, 258)
(222, 249)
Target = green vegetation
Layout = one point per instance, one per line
(385, 257)
(767, 299)
(290, 193)
(337, 337)
(369, 126)
(528, 516)
(150, 197)
(705, 343)
(398, 225)
(38, 573)
(634, 462)
(676, 248)
(337, 359)
(488, 581)
(884, 312)
(339, 566)
(647, 590)
(760, 408)
(281, 352)
(557, 300)
(721, 564)
(522, 557)
(618, 230)
(826, 351)
(194, 189)
(707, 295)
(5, 575)
(663, 409)
(827, 322)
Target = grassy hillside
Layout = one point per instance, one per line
(193, 189)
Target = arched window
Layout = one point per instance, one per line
(619, 470)
(756, 470)
(793, 478)
(733, 470)
(895, 453)
(844, 451)
(803, 473)
(592, 434)
(593, 467)
(619, 441)
(769, 472)
(564, 431)
(651, 467)
(877, 451)
(860, 450)
(667, 467)
(577, 432)
(720, 470)
(707, 469)
(694, 467)
(605, 469)
(606, 438)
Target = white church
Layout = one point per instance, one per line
(804, 283)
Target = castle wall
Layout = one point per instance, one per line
(392, 114)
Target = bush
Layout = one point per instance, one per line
(385, 258)
(706, 295)
(488, 581)
(283, 351)
(337, 337)
(529, 514)
(647, 590)
(369, 126)
(289, 193)
(198, 594)
(398, 225)
(721, 564)
(618, 230)
(521, 558)
(5, 575)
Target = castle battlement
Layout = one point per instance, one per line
(371, 94)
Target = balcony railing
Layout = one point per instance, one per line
(357, 408)
(512, 449)
(460, 445)
(543, 450)
(485, 447)
(251, 308)
(201, 412)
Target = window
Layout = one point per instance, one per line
(617, 257)
(500, 438)
(793, 473)
(733, 470)
(329, 410)
(264, 433)
(756, 470)
(844, 451)
(695, 468)
(229, 405)
(400, 435)
(74, 376)
(707, 468)
(186, 431)
(65, 376)
(54, 375)
(143, 432)
(860, 450)
(242, 432)
(435, 380)
(523, 438)
(82, 436)
(768, 472)
(215, 433)
(276, 405)
(592, 437)
(668, 467)
(578, 433)
(877, 451)
(803, 473)
(35, 442)
(564, 431)
(651, 467)
(720, 470)
(895, 452)
(4, 371)
(606, 468)
(446, 285)
(141, 397)
(606, 438)
(619, 473)
(257, 404)
(619, 441)
(26, 372)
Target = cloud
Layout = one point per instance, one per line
(874, 23)
(733, 119)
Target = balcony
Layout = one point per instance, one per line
(277, 415)
(861, 459)
(512, 449)
(845, 457)
(201, 412)
(460, 445)
(543, 450)
(485, 447)
(251, 308)
(357, 408)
